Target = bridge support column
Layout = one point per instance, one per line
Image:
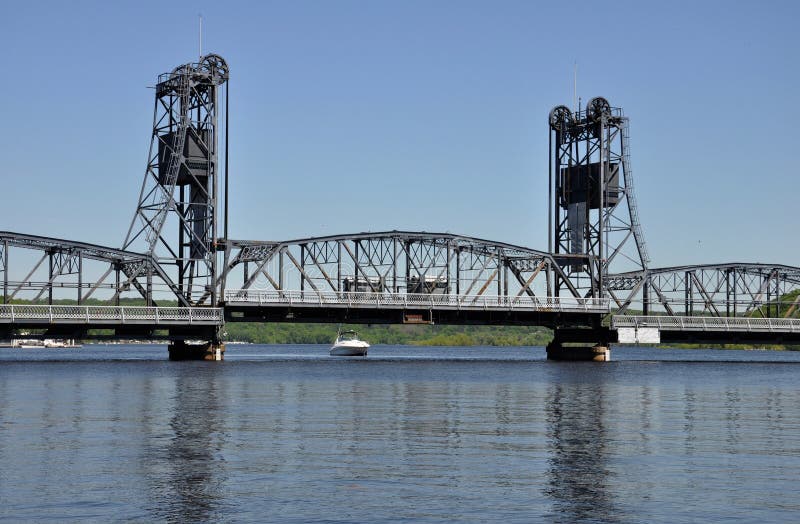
(596, 353)
(181, 350)
(580, 345)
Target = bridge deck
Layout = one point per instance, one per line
(386, 307)
(713, 329)
(370, 300)
(719, 324)
(109, 315)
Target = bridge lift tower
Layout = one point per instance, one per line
(594, 222)
(176, 217)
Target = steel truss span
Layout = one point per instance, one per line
(396, 271)
(43, 269)
(716, 290)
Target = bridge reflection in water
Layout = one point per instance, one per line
(416, 434)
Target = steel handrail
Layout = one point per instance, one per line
(16, 313)
(747, 324)
(389, 299)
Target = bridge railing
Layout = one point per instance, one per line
(16, 313)
(733, 324)
(360, 299)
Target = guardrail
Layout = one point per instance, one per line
(733, 324)
(14, 313)
(386, 300)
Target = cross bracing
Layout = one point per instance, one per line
(393, 261)
(720, 290)
(38, 269)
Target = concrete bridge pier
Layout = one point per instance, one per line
(183, 350)
(580, 345)
(570, 352)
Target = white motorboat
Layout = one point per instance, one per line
(348, 345)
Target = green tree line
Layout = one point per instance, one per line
(422, 335)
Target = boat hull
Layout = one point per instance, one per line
(349, 351)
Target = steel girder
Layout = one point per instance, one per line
(395, 262)
(92, 271)
(733, 289)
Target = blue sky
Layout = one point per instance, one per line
(364, 116)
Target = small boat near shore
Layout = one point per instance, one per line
(35, 343)
(347, 344)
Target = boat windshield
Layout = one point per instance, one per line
(348, 335)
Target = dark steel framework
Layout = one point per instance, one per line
(718, 290)
(393, 261)
(52, 267)
(593, 213)
(179, 194)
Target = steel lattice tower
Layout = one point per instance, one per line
(176, 217)
(594, 219)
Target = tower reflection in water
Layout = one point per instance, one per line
(184, 463)
(578, 472)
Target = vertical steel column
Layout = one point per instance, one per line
(505, 277)
(458, 271)
(356, 265)
(150, 283)
(687, 286)
(499, 275)
(50, 281)
(338, 265)
(394, 265)
(80, 277)
(179, 261)
(767, 284)
(280, 268)
(213, 173)
(728, 292)
(553, 205)
(602, 234)
(119, 291)
(5, 272)
(227, 134)
(447, 268)
(646, 298)
(550, 154)
(408, 263)
(302, 268)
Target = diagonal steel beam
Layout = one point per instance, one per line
(526, 285)
(662, 298)
(303, 274)
(709, 302)
(310, 253)
(358, 267)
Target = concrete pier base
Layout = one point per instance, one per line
(561, 351)
(181, 350)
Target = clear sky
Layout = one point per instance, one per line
(354, 116)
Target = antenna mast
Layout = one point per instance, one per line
(575, 87)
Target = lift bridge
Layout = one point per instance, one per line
(178, 276)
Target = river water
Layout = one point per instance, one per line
(289, 434)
